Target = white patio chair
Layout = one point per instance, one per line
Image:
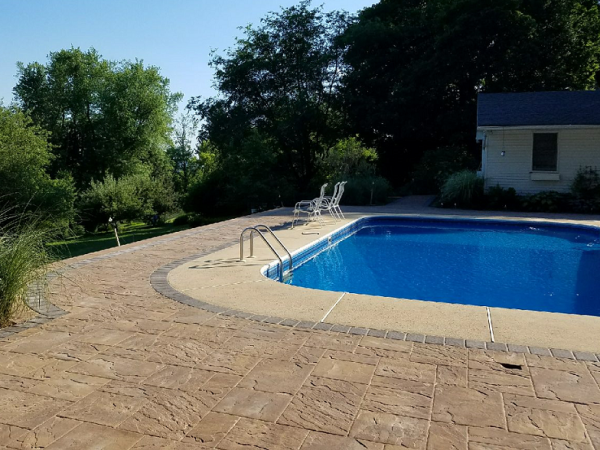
(312, 208)
(336, 201)
(329, 202)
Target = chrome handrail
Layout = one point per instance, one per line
(256, 229)
(291, 265)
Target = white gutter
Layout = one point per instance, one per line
(538, 127)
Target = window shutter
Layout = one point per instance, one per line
(545, 152)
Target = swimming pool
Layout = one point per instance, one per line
(522, 265)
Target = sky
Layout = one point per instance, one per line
(176, 36)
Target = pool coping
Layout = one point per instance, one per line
(159, 281)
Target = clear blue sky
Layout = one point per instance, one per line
(175, 35)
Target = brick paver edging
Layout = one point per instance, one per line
(46, 311)
(159, 282)
(36, 300)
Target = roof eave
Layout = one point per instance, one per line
(534, 127)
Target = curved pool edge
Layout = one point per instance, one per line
(273, 302)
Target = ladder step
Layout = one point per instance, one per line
(287, 276)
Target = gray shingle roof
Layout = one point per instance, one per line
(539, 108)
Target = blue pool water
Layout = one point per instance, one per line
(541, 267)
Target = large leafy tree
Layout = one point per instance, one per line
(183, 154)
(415, 67)
(104, 116)
(25, 186)
(277, 85)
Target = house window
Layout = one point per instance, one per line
(545, 152)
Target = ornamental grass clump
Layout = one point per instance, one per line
(463, 189)
(23, 262)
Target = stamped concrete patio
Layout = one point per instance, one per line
(129, 368)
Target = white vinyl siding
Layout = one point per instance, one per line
(576, 148)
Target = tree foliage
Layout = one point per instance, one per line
(415, 68)
(349, 158)
(304, 96)
(103, 116)
(278, 84)
(435, 166)
(240, 181)
(125, 199)
(183, 156)
(24, 183)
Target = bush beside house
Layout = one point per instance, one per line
(465, 190)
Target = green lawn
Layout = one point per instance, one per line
(99, 241)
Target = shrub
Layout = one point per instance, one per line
(463, 189)
(197, 220)
(585, 205)
(436, 166)
(220, 194)
(211, 196)
(358, 191)
(586, 184)
(23, 261)
(546, 201)
(181, 220)
(194, 220)
(498, 198)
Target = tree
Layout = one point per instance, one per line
(415, 68)
(278, 84)
(112, 200)
(103, 116)
(184, 160)
(25, 186)
(349, 158)
(128, 198)
(240, 181)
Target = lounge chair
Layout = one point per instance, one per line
(336, 206)
(332, 203)
(312, 208)
(329, 202)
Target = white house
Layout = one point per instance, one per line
(537, 141)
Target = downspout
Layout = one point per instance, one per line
(484, 155)
(482, 137)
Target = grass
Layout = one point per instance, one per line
(94, 242)
(128, 233)
(23, 261)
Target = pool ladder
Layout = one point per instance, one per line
(257, 229)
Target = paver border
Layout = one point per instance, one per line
(160, 283)
(46, 311)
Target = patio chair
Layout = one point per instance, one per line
(334, 204)
(330, 201)
(312, 208)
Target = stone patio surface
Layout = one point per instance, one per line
(129, 368)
